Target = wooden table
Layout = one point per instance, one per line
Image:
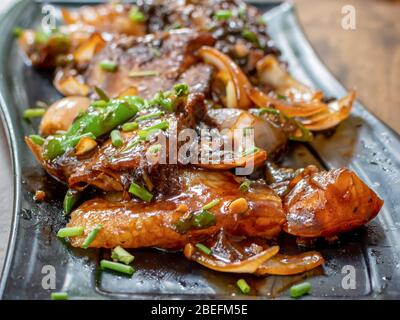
(367, 58)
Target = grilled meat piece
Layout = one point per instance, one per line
(136, 224)
(327, 203)
(150, 64)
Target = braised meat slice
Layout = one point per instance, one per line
(149, 64)
(136, 224)
(323, 204)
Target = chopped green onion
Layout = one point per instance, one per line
(116, 138)
(163, 125)
(121, 255)
(144, 73)
(250, 36)
(70, 232)
(140, 192)
(211, 204)
(41, 37)
(150, 116)
(37, 139)
(250, 151)
(281, 96)
(299, 290)
(34, 113)
(91, 236)
(102, 95)
(108, 65)
(223, 14)
(155, 148)
(181, 89)
(115, 266)
(203, 248)
(243, 286)
(245, 185)
(136, 15)
(203, 219)
(270, 111)
(18, 32)
(59, 296)
(129, 126)
(70, 200)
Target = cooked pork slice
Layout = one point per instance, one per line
(326, 203)
(172, 222)
(149, 64)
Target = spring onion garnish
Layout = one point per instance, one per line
(250, 151)
(70, 232)
(147, 132)
(245, 185)
(37, 139)
(116, 138)
(270, 111)
(18, 32)
(281, 96)
(70, 200)
(149, 116)
(211, 204)
(91, 236)
(59, 296)
(136, 15)
(223, 14)
(181, 89)
(155, 148)
(203, 219)
(250, 36)
(203, 248)
(243, 286)
(299, 290)
(108, 65)
(144, 73)
(121, 255)
(34, 113)
(129, 126)
(140, 192)
(115, 266)
(102, 95)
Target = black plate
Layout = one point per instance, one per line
(362, 143)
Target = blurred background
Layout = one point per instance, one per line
(366, 58)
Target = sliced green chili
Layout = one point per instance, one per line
(140, 192)
(91, 236)
(102, 95)
(121, 255)
(37, 139)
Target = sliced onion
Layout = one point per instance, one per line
(289, 265)
(249, 265)
(69, 85)
(304, 109)
(223, 63)
(88, 49)
(338, 111)
(272, 74)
